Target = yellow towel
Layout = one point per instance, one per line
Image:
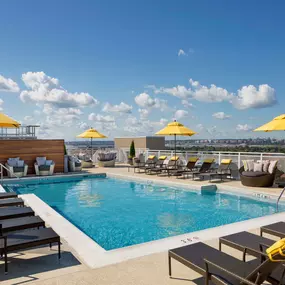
(276, 248)
(226, 161)
(151, 156)
(162, 157)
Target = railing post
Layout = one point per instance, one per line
(239, 160)
(219, 158)
(261, 157)
(158, 154)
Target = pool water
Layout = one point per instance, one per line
(118, 213)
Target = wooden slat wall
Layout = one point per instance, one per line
(28, 150)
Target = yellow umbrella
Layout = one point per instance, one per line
(277, 124)
(91, 134)
(7, 122)
(175, 129)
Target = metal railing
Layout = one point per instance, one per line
(2, 167)
(281, 194)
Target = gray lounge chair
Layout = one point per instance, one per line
(276, 229)
(223, 170)
(221, 268)
(158, 167)
(11, 202)
(15, 212)
(189, 168)
(203, 170)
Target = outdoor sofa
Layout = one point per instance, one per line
(258, 174)
(16, 167)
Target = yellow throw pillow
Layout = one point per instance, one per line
(162, 157)
(226, 161)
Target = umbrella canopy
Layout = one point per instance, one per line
(91, 134)
(7, 122)
(277, 124)
(175, 129)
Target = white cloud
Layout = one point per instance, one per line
(8, 85)
(145, 101)
(28, 118)
(244, 128)
(180, 91)
(181, 52)
(180, 114)
(221, 116)
(121, 108)
(144, 113)
(252, 97)
(83, 126)
(187, 104)
(45, 89)
(1, 104)
(100, 118)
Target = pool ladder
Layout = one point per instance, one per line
(281, 194)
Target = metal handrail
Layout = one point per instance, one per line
(282, 192)
(1, 171)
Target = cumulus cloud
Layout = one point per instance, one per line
(8, 85)
(145, 101)
(1, 104)
(45, 89)
(121, 108)
(180, 91)
(244, 128)
(100, 118)
(28, 118)
(187, 104)
(83, 126)
(180, 114)
(144, 113)
(252, 97)
(181, 52)
(221, 116)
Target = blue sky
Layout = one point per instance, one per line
(129, 67)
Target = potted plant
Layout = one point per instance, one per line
(132, 153)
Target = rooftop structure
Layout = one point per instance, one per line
(22, 132)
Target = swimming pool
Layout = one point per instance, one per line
(117, 213)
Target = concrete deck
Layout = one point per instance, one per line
(41, 266)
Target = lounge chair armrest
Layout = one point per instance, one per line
(243, 280)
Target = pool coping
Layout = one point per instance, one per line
(93, 255)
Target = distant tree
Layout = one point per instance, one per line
(132, 150)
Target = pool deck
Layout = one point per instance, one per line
(41, 266)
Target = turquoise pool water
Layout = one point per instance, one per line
(118, 213)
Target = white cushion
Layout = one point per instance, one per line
(20, 163)
(257, 167)
(272, 166)
(41, 160)
(250, 165)
(12, 162)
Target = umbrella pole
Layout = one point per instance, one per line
(91, 150)
(175, 150)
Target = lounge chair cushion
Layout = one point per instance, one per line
(226, 161)
(272, 166)
(248, 164)
(254, 173)
(209, 160)
(193, 159)
(257, 167)
(18, 169)
(44, 167)
(41, 160)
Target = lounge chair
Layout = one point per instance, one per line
(190, 167)
(6, 195)
(74, 164)
(27, 239)
(18, 224)
(11, 202)
(221, 268)
(15, 212)
(247, 243)
(16, 167)
(150, 162)
(276, 229)
(137, 163)
(172, 166)
(204, 169)
(223, 170)
(159, 166)
(44, 166)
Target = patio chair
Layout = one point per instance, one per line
(220, 268)
(137, 163)
(16, 167)
(74, 164)
(159, 166)
(172, 166)
(190, 167)
(26, 239)
(150, 162)
(223, 170)
(44, 166)
(204, 169)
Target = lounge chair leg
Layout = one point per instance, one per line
(59, 254)
(6, 262)
(220, 246)
(50, 245)
(169, 265)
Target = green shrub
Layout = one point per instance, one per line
(132, 150)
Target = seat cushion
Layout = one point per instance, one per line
(253, 173)
(44, 167)
(18, 169)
